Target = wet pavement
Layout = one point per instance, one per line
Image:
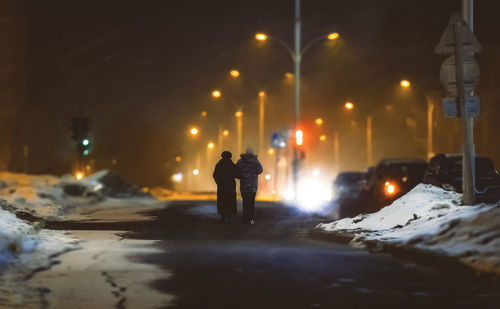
(275, 264)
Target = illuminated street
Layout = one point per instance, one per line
(274, 264)
(249, 154)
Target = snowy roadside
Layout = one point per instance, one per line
(24, 249)
(432, 219)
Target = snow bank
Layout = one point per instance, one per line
(16, 236)
(431, 218)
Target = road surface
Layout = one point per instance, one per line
(179, 255)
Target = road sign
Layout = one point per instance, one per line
(448, 74)
(447, 43)
(279, 139)
(451, 107)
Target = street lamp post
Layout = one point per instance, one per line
(296, 53)
(239, 130)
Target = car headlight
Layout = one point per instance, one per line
(390, 188)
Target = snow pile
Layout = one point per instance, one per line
(431, 218)
(16, 235)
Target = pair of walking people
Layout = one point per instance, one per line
(247, 170)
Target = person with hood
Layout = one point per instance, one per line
(249, 169)
(224, 174)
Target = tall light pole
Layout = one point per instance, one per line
(239, 130)
(296, 53)
(262, 108)
(405, 84)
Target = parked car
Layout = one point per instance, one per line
(390, 179)
(346, 191)
(445, 171)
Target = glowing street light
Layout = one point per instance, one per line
(234, 73)
(210, 145)
(261, 37)
(177, 177)
(79, 175)
(216, 94)
(262, 94)
(333, 36)
(268, 177)
(405, 84)
(270, 151)
(238, 114)
(203, 114)
(196, 172)
(225, 133)
(194, 131)
(178, 159)
(349, 105)
(319, 121)
(322, 138)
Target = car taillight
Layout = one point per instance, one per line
(390, 188)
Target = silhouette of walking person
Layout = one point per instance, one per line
(224, 174)
(249, 169)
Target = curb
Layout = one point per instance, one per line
(427, 257)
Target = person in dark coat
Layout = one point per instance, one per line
(224, 174)
(249, 169)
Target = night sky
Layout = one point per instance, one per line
(143, 72)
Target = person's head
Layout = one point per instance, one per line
(249, 151)
(226, 155)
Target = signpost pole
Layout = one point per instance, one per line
(468, 161)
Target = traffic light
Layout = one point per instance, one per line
(80, 134)
(299, 135)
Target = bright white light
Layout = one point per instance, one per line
(196, 172)
(85, 142)
(177, 177)
(288, 195)
(316, 172)
(314, 194)
(268, 176)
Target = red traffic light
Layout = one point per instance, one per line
(299, 137)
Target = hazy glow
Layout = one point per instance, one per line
(390, 188)
(235, 73)
(177, 177)
(225, 132)
(178, 159)
(315, 172)
(262, 93)
(333, 36)
(238, 114)
(194, 131)
(404, 83)
(196, 172)
(314, 193)
(270, 151)
(319, 121)
(210, 145)
(268, 176)
(299, 137)
(216, 94)
(261, 36)
(289, 76)
(322, 138)
(86, 152)
(85, 142)
(349, 105)
(79, 175)
(203, 114)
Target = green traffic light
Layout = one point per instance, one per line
(86, 142)
(86, 152)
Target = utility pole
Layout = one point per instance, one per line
(297, 59)
(369, 141)
(460, 74)
(469, 155)
(262, 107)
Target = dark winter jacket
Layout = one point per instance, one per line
(224, 174)
(249, 168)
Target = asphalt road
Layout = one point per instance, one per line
(276, 264)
